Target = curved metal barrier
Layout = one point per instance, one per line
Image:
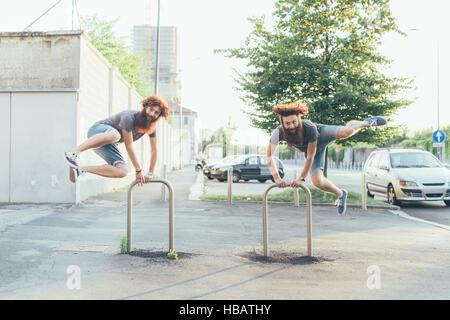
(130, 209)
(308, 217)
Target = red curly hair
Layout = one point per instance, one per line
(297, 108)
(154, 100)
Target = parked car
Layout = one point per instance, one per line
(247, 167)
(407, 175)
(218, 162)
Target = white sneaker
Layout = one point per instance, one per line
(71, 159)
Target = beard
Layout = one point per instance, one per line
(294, 136)
(143, 120)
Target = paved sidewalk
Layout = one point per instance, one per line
(219, 247)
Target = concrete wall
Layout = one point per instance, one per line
(34, 170)
(25, 63)
(5, 136)
(39, 119)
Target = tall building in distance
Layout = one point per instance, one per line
(183, 119)
(144, 44)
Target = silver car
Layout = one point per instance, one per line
(407, 175)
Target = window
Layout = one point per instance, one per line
(414, 160)
(375, 162)
(263, 160)
(252, 160)
(186, 120)
(383, 161)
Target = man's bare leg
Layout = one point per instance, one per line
(98, 140)
(118, 171)
(351, 128)
(322, 183)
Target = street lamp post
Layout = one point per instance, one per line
(157, 51)
(439, 149)
(181, 136)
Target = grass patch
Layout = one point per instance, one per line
(124, 245)
(287, 195)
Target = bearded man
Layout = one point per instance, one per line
(312, 139)
(126, 126)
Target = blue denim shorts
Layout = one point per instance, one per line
(327, 134)
(109, 152)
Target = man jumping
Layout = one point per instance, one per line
(312, 139)
(126, 126)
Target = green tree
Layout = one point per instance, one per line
(131, 66)
(323, 52)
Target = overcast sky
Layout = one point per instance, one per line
(205, 25)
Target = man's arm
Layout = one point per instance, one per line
(312, 146)
(154, 156)
(128, 140)
(273, 167)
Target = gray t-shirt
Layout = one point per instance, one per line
(125, 120)
(310, 134)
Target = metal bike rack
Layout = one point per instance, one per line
(230, 185)
(308, 217)
(363, 192)
(130, 210)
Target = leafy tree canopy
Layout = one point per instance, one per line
(326, 53)
(131, 66)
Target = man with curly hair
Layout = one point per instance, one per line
(312, 139)
(126, 126)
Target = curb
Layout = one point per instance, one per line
(317, 204)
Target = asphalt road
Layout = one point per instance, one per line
(433, 211)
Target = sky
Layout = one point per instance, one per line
(207, 79)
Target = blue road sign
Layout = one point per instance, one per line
(438, 136)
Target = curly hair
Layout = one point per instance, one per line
(297, 108)
(154, 100)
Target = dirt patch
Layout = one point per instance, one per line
(285, 257)
(159, 256)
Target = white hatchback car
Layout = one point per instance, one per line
(407, 175)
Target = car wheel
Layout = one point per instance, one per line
(262, 180)
(221, 180)
(281, 173)
(236, 177)
(447, 202)
(246, 180)
(368, 192)
(391, 197)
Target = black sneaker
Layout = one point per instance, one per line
(376, 121)
(342, 202)
(75, 173)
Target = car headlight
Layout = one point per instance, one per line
(404, 183)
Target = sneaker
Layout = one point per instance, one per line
(342, 202)
(376, 121)
(75, 173)
(71, 159)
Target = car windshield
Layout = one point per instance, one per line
(414, 160)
